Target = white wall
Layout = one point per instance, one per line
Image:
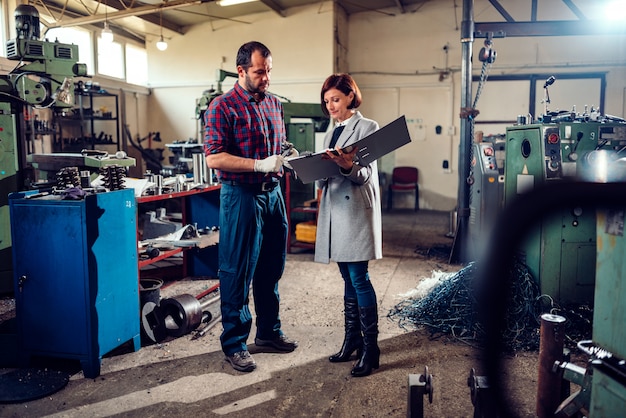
(302, 50)
(397, 60)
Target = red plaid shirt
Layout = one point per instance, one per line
(239, 125)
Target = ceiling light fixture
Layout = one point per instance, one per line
(614, 11)
(107, 33)
(232, 2)
(161, 44)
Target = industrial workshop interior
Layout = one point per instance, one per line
(502, 283)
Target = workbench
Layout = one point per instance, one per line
(199, 207)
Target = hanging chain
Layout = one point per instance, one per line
(487, 55)
(484, 73)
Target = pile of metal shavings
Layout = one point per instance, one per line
(451, 309)
(7, 308)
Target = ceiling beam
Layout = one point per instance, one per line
(135, 11)
(570, 4)
(157, 19)
(496, 4)
(49, 8)
(272, 5)
(72, 13)
(546, 28)
(400, 6)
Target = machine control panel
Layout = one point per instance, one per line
(488, 157)
(552, 154)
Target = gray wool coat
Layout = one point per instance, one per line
(349, 222)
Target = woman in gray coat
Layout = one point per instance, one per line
(349, 224)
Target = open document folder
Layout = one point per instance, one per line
(390, 137)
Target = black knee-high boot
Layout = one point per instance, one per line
(371, 353)
(352, 340)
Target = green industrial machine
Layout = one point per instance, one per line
(43, 79)
(560, 250)
(303, 121)
(486, 190)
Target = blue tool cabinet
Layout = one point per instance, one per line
(75, 276)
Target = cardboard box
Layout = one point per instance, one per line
(305, 231)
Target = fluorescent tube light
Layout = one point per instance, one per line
(232, 2)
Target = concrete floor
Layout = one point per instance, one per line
(185, 377)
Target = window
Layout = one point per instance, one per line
(136, 65)
(3, 28)
(110, 59)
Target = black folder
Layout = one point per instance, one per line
(390, 137)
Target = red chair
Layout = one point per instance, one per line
(403, 179)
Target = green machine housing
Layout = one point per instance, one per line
(303, 121)
(486, 191)
(608, 391)
(43, 80)
(560, 249)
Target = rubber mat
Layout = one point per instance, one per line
(24, 385)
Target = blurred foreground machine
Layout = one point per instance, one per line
(560, 251)
(602, 382)
(608, 388)
(42, 79)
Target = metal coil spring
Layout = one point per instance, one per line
(113, 176)
(68, 177)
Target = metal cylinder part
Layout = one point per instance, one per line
(552, 333)
(199, 168)
(85, 180)
(181, 314)
(453, 221)
(211, 177)
(158, 184)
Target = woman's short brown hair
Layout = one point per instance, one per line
(345, 84)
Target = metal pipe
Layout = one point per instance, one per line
(208, 291)
(552, 334)
(460, 246)
(205, 304)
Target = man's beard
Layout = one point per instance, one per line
(252, 89)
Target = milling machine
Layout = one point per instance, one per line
(42, 79)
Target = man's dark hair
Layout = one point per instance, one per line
(244, 55)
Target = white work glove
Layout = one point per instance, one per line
(271, 164)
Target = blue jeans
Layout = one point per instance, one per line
(252, 253)
(357, 284)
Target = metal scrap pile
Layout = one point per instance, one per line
(451, 308)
